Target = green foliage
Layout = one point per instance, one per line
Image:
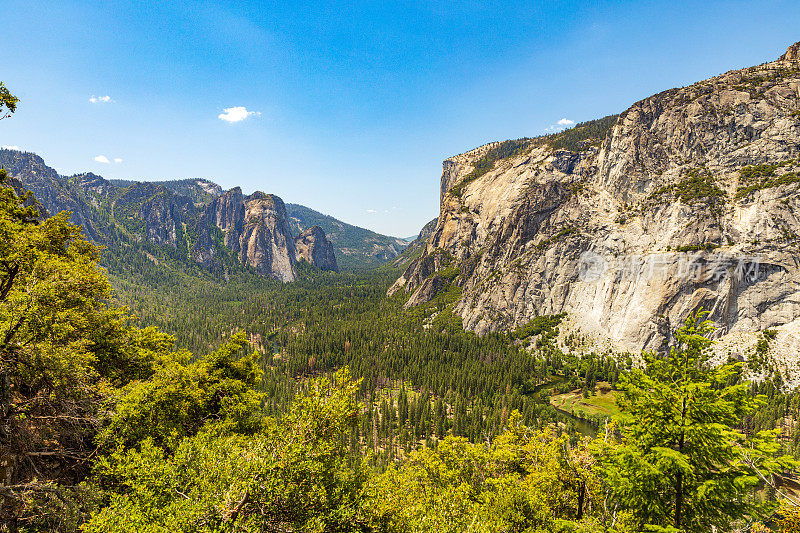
(62, 349)
(190, 187)
(449, 274)
(764, 176)
(8, 102)
(546, 324)
(525, 480)
(583, 135)
(291, 475)
(683, 463)
(181, 398)
(758, 84)
(697, 187)
(697, 247)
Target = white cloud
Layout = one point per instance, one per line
(236, 114)
(561, 125)
(117, 160)
(101, 159)
(12, 147)
(371, 211)
(100, 99)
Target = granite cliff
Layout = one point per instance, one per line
(255, 228)
(191, 221)
(353, 246)
(313, 247)
(689, 198)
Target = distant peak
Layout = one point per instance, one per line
(792, 53)
(313, 230)
(88, 179)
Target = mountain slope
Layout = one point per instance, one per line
(200, 191)
(313, 247)
(355, 247)
(136, 220)
(417, 245)
(689, 198)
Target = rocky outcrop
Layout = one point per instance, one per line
(313, 247)
(354, 247)
(153, 213)
(206, 225)
(792, 54)
(227, 212)
(427, 230)
(52, 191)
(631, 222)
(255, 228)
(200, 191)
(414, 249)
(266, 241)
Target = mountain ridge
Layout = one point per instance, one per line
(216, 229)
(355, 247)
(702, 177)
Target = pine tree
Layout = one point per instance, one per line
(685, 464)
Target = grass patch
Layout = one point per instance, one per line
(602, 404)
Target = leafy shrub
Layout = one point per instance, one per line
(698, 187)
(697, 247)
(764, 176)
(540, 324)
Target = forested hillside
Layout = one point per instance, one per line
(194, 222)
(356, 248)
(142, 391)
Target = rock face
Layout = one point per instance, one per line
(256, 229)
(266, 241)
(792, 54)
(354, 247)
(689, 198)
(426, 231)
(416, 246)
(192, 219)
(313, 247)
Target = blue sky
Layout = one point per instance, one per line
(348, 107)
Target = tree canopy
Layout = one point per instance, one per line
(345, 411)
(8, 102)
